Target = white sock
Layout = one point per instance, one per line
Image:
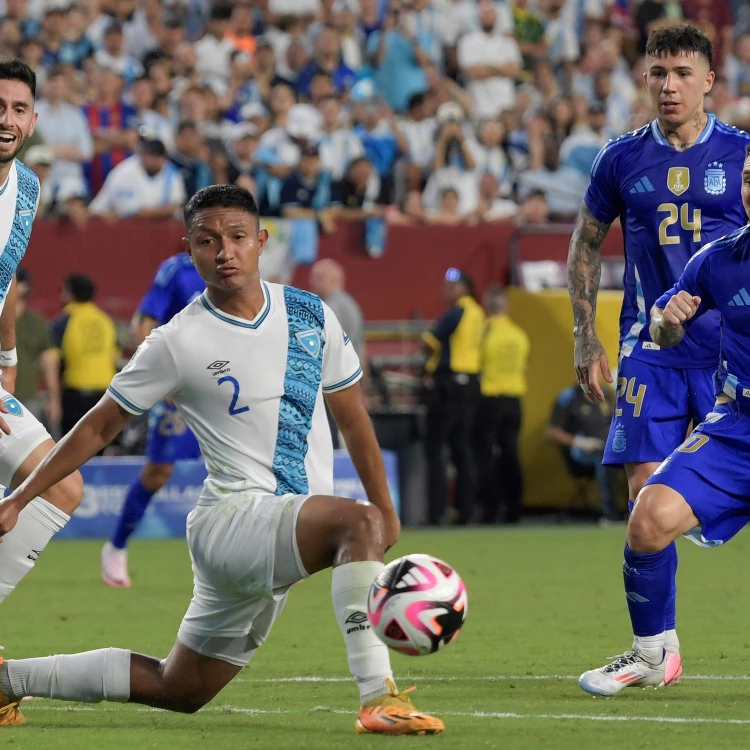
(37, 523)
(90, 677)
(369, 661)
(651, 647)
(671, 641)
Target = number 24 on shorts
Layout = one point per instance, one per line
(627, 388)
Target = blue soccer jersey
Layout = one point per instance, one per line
(720, 275)
(175, 285)
(670, 203)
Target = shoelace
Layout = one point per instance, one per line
(620, 661)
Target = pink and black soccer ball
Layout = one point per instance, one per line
(417, 605)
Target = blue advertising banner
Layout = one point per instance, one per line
(106, 482)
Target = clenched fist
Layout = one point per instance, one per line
(680, 308)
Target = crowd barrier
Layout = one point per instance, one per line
(106, 482)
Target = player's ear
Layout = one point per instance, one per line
(709, 81)
(186, 247)
(262, 239)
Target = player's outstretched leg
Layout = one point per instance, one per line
(114, 553)
(661, 514)
(40, 520)
(349, 537)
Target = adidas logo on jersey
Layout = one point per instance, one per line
(741, 299)
(642, 186)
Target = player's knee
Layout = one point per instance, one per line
(367, 524)
(67, 494)
(155, 476)
(653, 522)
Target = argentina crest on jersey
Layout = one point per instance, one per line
(715, 179)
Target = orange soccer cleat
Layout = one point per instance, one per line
(10, 710)
(393, 713)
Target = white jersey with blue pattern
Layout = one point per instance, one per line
(250, 390)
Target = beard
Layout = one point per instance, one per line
(5, 159)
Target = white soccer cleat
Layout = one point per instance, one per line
(115, 567)
(631, 670)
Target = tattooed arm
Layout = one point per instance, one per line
(584, 271)
(667, 327)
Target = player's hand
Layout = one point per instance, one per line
(392, 529)
(680, 308)
(9, 510)
(8, 379)
(591, 363)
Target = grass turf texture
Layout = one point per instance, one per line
(544, 605)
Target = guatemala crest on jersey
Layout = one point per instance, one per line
(715, 180)
(678, 179)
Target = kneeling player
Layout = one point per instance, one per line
(703, 488)
(248, 364)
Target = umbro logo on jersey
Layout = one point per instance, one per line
(642, 186)
(741, 299)
(218, 364)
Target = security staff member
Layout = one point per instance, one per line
(87, 341)
(452, 393)
(505, 354)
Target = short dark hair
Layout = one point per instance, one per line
(747, 151)
(221, 12)
(675, 40)
(416, 100)
(23, 276)
(16, 70)
(219, 196)
(81, 288)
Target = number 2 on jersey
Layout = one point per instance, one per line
(233, 410)
(626, 388)
(683, 215)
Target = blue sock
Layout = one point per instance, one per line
(647, 586)
(136, 502)
(671, 611)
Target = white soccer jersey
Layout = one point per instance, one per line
(251, 391)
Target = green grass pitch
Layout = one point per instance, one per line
(544, 604)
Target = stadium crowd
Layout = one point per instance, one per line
(412, 111)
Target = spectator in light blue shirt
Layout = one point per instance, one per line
(399, 59)
(65, 130)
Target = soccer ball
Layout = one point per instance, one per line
(417, 605)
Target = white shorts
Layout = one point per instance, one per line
(245, 559)
(26, 434)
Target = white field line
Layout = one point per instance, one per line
(37, 708)
(481, 678)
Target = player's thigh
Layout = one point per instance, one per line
(334, 530)
(709, 473)
(651, 415)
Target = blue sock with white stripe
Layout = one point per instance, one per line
(133, 510)
(647, 579)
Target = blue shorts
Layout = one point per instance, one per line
(169, 438)
(654, 409)
(711, 471)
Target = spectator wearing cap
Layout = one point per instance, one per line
(339, 145)
(452, 393)
(146, 186)
(40, 159)
(326, 59)
(490, 63)
(37, 359)
(142, 98)
(114, 56)
(360, 194)
(453, 165)
(241, 152)
(307, 192)
(419, 130)
(187, 156)
(214, 50)
(112, 124)
(65, 131)
(398, 57)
